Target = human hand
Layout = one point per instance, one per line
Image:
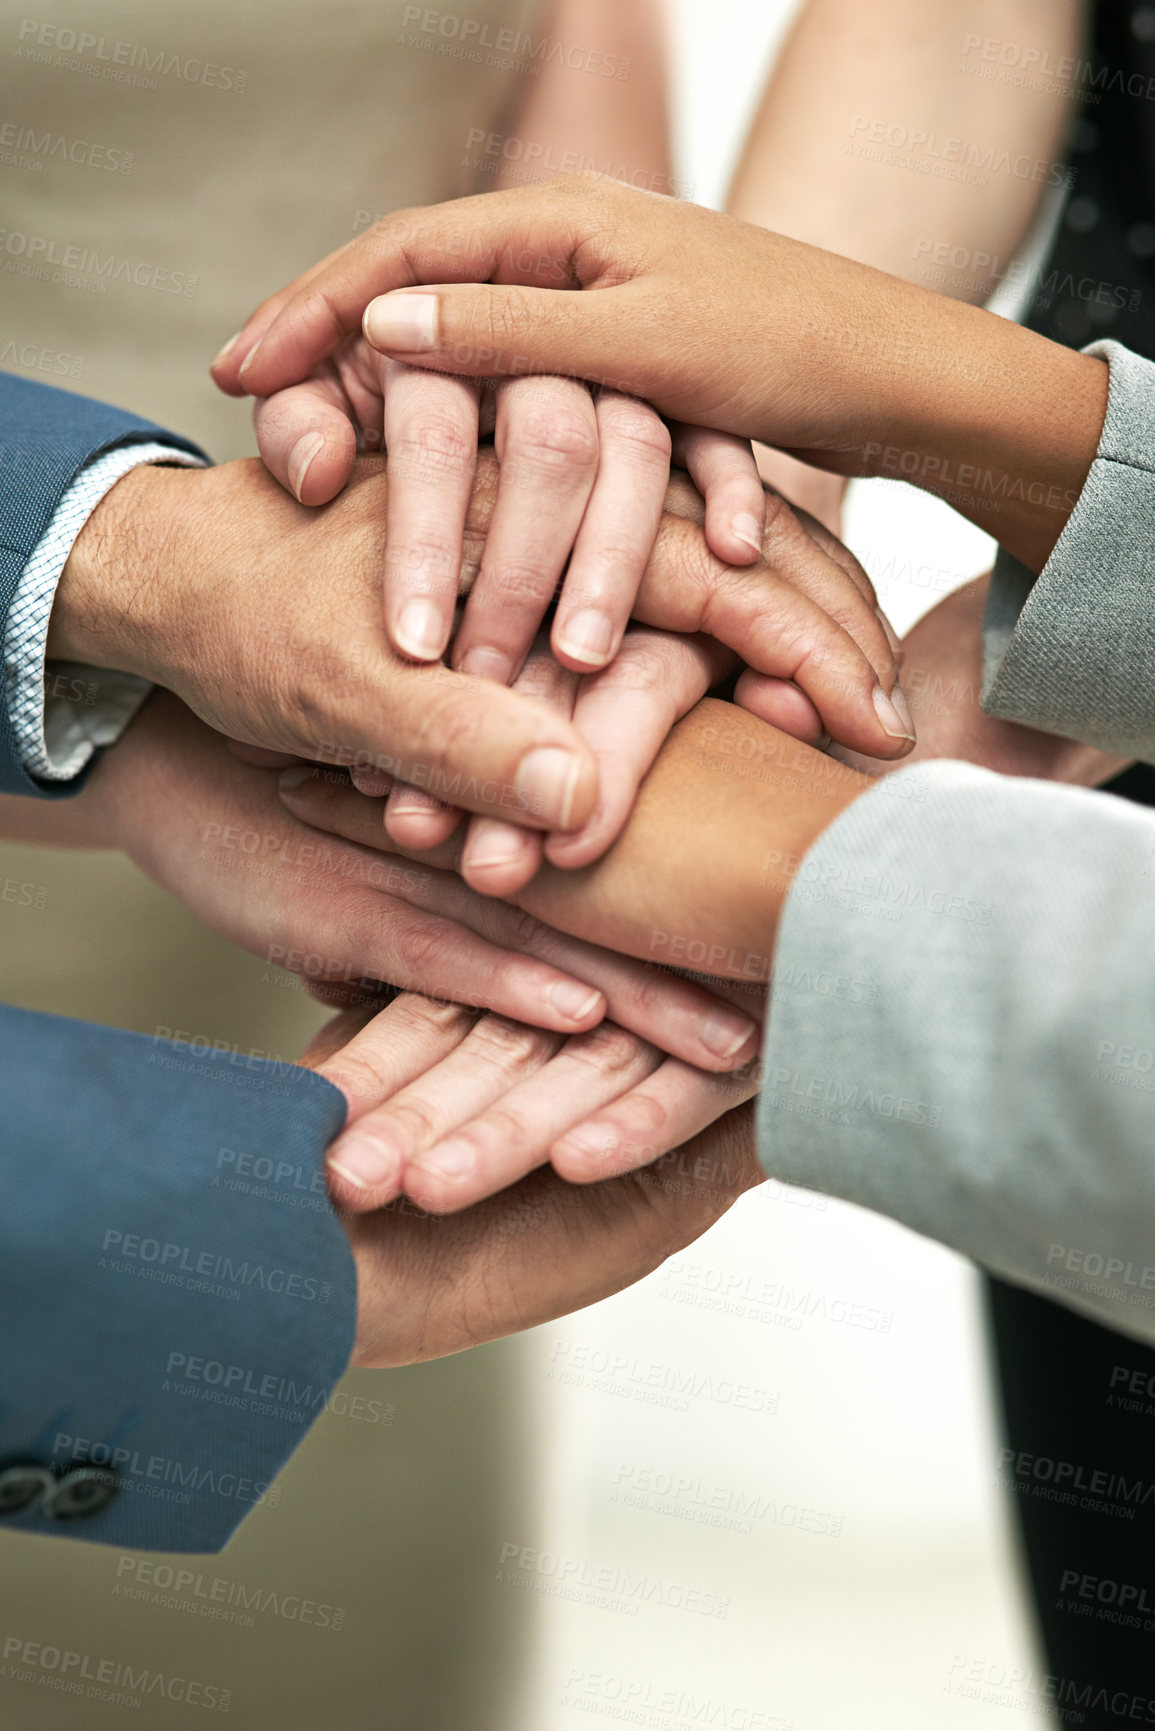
(582, 479)
(212, 831)
(717, 322)
(266, 619)
(447, 1107)
(942, 661)
(701, 869)
(429, 1285)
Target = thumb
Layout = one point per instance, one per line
(481, 329)
(307, 439)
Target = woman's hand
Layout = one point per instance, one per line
(699, 873)
(581, 487)
(717, 322)
(212, 831)
(429, 1285)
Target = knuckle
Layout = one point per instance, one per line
(556, 437)
(607, 1048)
(638, 430)
(508, 1046)
(435, 444)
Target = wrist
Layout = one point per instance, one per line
(998, 421)
(116, 601)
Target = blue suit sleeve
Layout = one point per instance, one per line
(179, 1296)
(46, 437)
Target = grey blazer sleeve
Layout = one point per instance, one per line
(962, 1029)
(1073, 650)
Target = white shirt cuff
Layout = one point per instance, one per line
(60, 719)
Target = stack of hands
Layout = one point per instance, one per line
(441, 720)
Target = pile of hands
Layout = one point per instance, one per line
(409, 702)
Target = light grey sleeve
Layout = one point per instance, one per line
(962, 1029)
(1073, 650)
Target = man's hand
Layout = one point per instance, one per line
(431, 1285)
(266, 619)
(700, 873)
(211, 830)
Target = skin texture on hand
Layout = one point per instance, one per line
(429, 1285)
(699, 874)
(717, 322)
(212, 831)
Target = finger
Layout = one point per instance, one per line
(624, 713)
(416, 819)
(765, 614)
(438, 939)
(468, 742)
(381, 1057)
(260, 756)
(783, 705)
(617, 533)
(467, 241)
(373, 783)
(723, 469)
(498, 859)
(372, 1158)
(665, 1110)
(547, 446)
(672, 1013)
(307, 439)
(226, 364)
(431, 442)
(495, 1147)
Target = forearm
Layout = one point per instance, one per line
(607, 112)
(878, 137)
(699, 874)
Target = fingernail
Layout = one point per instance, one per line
(492, 846)
(411, 801)
(893, 713)
(227, 350)
(454, 1160)
(725, 1032)
(593, 1145)
(748, 529)
(573, 1001)
(300, 459)
(420, 631)
(365, 1163)
(249, 359)
(402, 323)
(547, 780)
(892, 636)
(483, 663)
(295, 777)
(587, 637)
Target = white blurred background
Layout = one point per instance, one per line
(866, 1559)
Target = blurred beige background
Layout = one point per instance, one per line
(711, 1500)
